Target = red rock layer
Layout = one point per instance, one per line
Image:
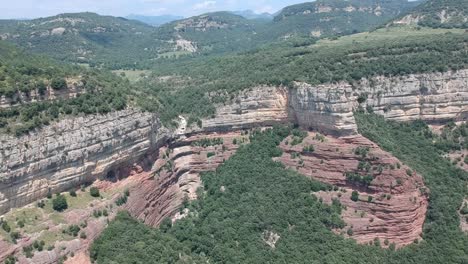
(399, 201)
(176, 175)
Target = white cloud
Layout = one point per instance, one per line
(204, 5)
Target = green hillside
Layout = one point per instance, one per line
(338, 17)
(84, 38)
(438, 14)
(24, 73)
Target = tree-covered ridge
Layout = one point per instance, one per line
(21, 71)
(217, 32)
(84, 38)
(24, 73)
(250, 200)
(338, 17)
(440, 14)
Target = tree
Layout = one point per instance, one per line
(94, 192)
(355, 196)
(58, 84)
(59, 203)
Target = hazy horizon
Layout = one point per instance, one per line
(30, 9)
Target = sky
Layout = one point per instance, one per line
(44, 8)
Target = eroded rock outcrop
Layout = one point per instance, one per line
(72, 152)
(176, 174)
(398, 204)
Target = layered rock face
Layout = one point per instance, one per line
(259, 106)
(72, 152)
(431, 97)
(398, 204)
(176, 174)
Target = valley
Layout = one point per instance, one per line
(332, 132)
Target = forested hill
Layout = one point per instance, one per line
(438, 14)
(82, 37)
(338, 17)
(119, 43)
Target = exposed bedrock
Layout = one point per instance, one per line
(175, 175)
(433, 97)
(398, 204)
(73, 152)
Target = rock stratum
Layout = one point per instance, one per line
(81, 150)
(74, 152)
(396, 209)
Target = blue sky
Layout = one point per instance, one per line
(42, 8)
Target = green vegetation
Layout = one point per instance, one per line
(94, 192)
(117, 43)
(207, 142)
(26, 73)
(282, 201)
(59, 203)
(355, 196)
(338, 17)
(87, 38)
(413, 144)
(432, 12)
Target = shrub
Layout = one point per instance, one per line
(350, 232)
(94, 192)
(6, 226)
(10, 260)
(58, 83)
(355, 196)
(73, 193)
(59, 203)
(83, 235)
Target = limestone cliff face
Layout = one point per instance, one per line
(259, 106)
(72, 152)
(431, 97)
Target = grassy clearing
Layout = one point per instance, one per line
(132, 75)
(383, 35)
(50, 237)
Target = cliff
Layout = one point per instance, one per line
(434, 97)
(398, 201)
(73, 152)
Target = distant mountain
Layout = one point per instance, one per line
(438, 14)
(249, 14)
(212, 33)
(154, 20)
(83, 37)
(332, 17)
